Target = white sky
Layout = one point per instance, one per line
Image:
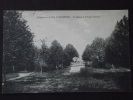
(77, 31)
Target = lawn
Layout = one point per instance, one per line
(96, 80)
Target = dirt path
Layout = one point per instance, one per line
(21, 75)
(76, 67)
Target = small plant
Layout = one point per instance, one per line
(83, 71)
(86, 72)
(108, 66)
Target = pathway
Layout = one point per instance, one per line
(75, 67)
(21, 75)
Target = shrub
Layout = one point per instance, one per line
(101, 64)
(88, 64)
(89, 72)
(97, 63)
(108, 66)
(50, 67)
(83, 71)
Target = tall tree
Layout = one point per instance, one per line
(70, 52)
(117, 47)
(98, 47)
(45, 52)
(87, 53)
(56, 53)
(17, 41)
(66, 58)
(44, 55)
(95, 52)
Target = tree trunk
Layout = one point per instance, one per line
(56, 66)
(13, 68)
(4, 76)
(62, 65)
(41, 69)
(25, 69)
(112, 66)
(4, 71)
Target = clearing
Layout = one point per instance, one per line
(96, 80)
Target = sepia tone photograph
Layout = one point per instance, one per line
(59, 51)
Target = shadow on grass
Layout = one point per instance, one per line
(122, 79)
(57, 81)
(11, 87)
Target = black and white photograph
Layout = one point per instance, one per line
(59, 51)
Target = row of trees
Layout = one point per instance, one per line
(19, 52)
(18, 49)
(95, 52)
(53, 57)
(113, 50)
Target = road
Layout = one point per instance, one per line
(75, 67)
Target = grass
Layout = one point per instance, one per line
(97, 80)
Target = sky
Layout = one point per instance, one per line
(78, 28)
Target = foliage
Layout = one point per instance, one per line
(95, 52)
(45, 52)
(48, 58)
(66, 58)
(69, 53)
(112, 50)
(87, 53)
(56, 53)
(98, 47)
(83, 72)
(117, 45)
(17, 42)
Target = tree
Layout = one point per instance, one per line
(95, 52)
(87, 53)
(37, 59)
(119, 40)
(56, 54)
(17, 42)
(45, 54)
(69, 53)
(65, 58)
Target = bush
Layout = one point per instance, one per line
(38, 68)
(83, 71)
(108, 66)
(95, 62)
(89, 72)
(91, 65)
(88, 64)
(51, 67)
(101, 64)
